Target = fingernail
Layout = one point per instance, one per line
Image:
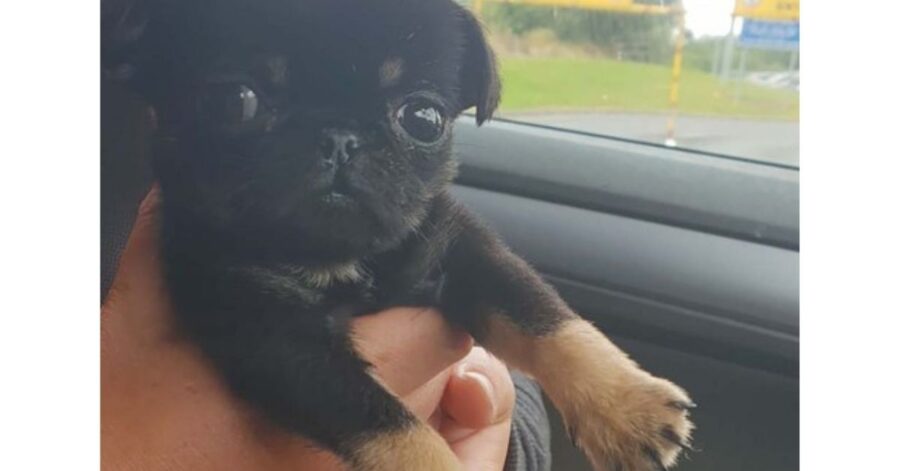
(485, 384)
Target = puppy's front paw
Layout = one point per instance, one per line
(642, 426)
(623, 418)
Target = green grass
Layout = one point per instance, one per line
(534, 84)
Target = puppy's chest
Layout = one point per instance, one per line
(311, 286)
(367, 286)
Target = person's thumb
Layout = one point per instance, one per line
(477, 406)
(479, 394)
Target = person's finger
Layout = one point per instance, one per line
(138, 282)
(477, 408)
(409, 346)
(138, 288)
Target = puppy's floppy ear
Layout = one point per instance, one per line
(479, 83)
(122, 23)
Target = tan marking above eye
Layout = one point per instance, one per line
(390, 72)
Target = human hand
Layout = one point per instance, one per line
(165, 408)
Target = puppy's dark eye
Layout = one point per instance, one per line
(422, 119)
(230, 104)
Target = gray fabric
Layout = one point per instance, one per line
(529, 442)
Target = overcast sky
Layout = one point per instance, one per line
(708, 17)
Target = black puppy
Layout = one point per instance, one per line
(304, 157)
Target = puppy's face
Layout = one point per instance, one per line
(320, 122)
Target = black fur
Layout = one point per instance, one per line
(253, 212)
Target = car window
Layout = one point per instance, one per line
(720, 76)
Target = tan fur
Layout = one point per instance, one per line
(413, 449)
(614, 409)
(390, 72)
(306, 280)
(323, 277)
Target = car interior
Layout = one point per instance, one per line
(687, 258)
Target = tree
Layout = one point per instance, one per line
(636, 37)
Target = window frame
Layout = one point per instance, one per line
(735, 197)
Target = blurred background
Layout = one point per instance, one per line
(720, 76)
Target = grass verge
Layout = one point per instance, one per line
(536, 84)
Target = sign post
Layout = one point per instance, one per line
(728, 51)
(767, 24)
(674, 86)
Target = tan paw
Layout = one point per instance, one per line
(643, 426)
(623, 418)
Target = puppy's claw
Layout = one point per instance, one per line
(683, 405)
(653, 456)
(669, 434)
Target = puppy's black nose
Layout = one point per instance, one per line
(338, 146)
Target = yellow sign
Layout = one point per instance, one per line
(787, 10)
(624, 6)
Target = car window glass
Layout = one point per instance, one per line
(720, 76)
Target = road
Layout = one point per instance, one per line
(772, 141)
